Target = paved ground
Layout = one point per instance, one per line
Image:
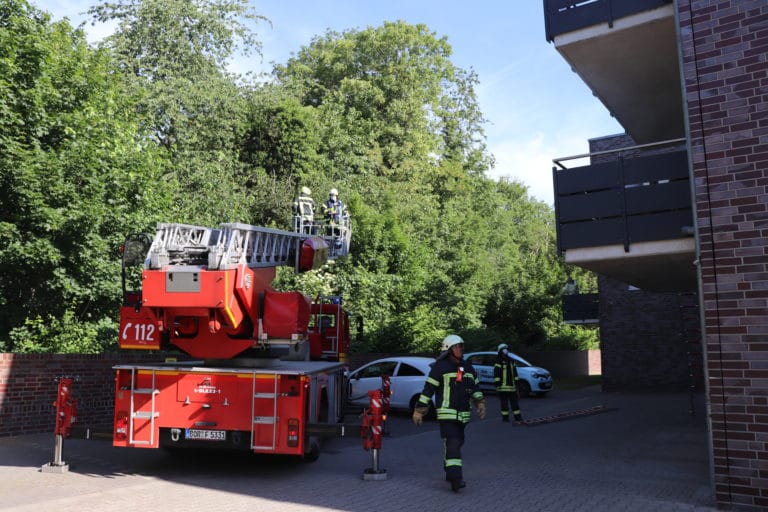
(647, 453)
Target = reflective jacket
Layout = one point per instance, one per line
(454, 385)
(304, 206)
(333, 210)
(505, 374)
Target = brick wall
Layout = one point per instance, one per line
(28, 388)
(724, 47)
(648, 340)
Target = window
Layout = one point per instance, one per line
(377, 370)
(407, 370)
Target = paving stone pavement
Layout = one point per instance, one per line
(647, 452)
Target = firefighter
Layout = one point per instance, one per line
(453, 382)
(304, 211)
(505, 378)
(335, 214)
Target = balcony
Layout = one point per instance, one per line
(629, 218)
(626, 52)
(581, 308)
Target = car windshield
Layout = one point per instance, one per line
(521, 361)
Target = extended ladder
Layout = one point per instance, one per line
(229, 245)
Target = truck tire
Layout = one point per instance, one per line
(313, 453)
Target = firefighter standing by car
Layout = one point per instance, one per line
(505, 378)
(453, 382)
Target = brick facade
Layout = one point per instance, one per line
(648, 340)
(724, 46)
(28, 387)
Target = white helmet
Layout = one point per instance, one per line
(501, 347)
(451, 340)
(334, 192)
(306, 190)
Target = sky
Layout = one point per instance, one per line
(537, 108)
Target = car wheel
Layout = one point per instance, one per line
(523, 389)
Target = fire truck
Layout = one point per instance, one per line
(261, 371)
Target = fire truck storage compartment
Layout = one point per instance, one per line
(285, 313)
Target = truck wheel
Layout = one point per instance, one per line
(313, 453)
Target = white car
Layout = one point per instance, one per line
(406, 379)
(532, 380)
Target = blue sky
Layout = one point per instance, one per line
(537, 108)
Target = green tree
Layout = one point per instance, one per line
(173, 55)
(74, 176)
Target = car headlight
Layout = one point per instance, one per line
(538, 375)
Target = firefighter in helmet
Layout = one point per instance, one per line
(335, 214)
(304, 211)
(333, 208)
(505, 378)
(453, 382)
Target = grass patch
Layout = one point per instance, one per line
(579, 382)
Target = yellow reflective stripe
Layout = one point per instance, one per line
(477, 395)
(447, 387)
(452, 462)
(432, 381)
(423, 399)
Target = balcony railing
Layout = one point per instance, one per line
(581, 308)
(623, 201)
(562, 16)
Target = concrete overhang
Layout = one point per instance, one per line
(659, 266)
(632, 67)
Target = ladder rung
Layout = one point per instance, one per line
(265, 420)
(144, 391)
(264, 395)
(267, 447)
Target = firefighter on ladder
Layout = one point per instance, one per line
(453, 382)
(336, 215)
(304, 212)
(505, 378)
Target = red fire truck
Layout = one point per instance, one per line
(266, 368)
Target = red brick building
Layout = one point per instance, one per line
(682, 214)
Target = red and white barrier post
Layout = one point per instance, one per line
(66, 415)
(371, 432)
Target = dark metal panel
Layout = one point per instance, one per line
(588, 177)
(664, 166)
(659, 226)
(581, 307)
(591, 233)
(658, 197)
(594, 205)
(563, 16)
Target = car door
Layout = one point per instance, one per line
(408, 381)
(368, 378)
(483, 364)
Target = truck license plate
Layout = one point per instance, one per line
(206, 435)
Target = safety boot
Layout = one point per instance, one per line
(457, 484)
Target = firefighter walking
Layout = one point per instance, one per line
(453, 382)
(505, 378)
